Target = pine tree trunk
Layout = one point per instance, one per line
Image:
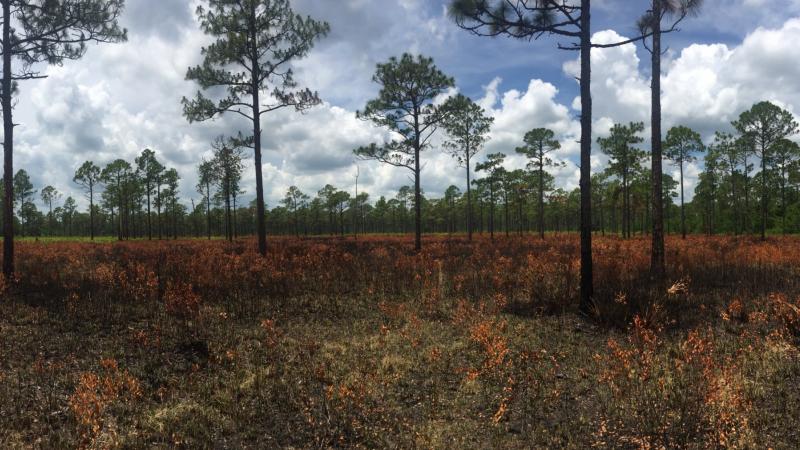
(121, 208)
(626, 212)
(417, 188)
(491, 210)
(587, 285)
(255, 77)
(746, 218)
(158, 208)
(8, 150)
(208, 210)
(469, 202)
(149, 220)
(683, 211)
(763, 192)
(235, 233)
(736, 220)
(783, 200)
(91, 211)
(657, 258)
(228, 230)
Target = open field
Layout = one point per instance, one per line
(336, 343)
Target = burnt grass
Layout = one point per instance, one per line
(332, 343)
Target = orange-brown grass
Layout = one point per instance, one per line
(344, 343)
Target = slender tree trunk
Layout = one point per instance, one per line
(763, 192)
(469, 202)
(746, 218)
(158, 208)
(341, 220)
(132, 229)
(683, 211)
(296, 222)
(657, 259)
(450, 218)
(417, 187)
(235, 233)
(356, 212)
(667, 216)
(541, 194)
(783, 200)
(228, 230)
(587, 285)
(713, 221)
(195, 226)
(491, 210)
(736, 221)
(208, 210)
(8, 149)
(626, 212)
(149, 219)
(91, 211)
(256, 75)
(262, 227)
(21, 215)
(121, 208)
(50, 217)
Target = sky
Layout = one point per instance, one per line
(122, 98)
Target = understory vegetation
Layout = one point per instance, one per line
(344, 343)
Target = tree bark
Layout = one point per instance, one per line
(763, 192)
(541, 193)
(121, 208)
(746, 219)
(91, 211)
(736, 220)
(235, 233)
(158, 208)
(626, 208)
(657, 263)
(783, 199)
(262, 226)
(149, 220)
(8, 149)
(228, 229)
(683, 211)
(417, 188)
(208, 210)
(469, 203)
(491, 209)
(587, 285)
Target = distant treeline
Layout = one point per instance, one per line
(742, 188)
